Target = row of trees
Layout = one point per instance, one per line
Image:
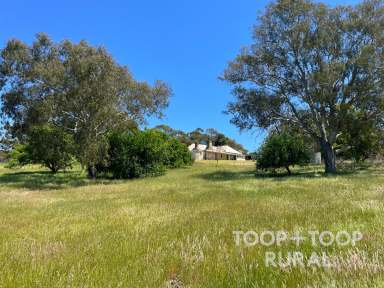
(66, 92)
(201, 136)
(129, 154)
(316, 68)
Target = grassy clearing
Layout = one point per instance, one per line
(65, 231)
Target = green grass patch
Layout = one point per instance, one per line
(64, 230)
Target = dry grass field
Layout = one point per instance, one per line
(177, 230)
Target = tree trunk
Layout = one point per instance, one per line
(329, 157)
(91, 171)
(54, 168)
(288, 170)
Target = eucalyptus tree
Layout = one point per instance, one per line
(310, 65)
(77, 87)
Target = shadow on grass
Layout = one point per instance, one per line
(39, 180)
(223, 175)
(299, 173)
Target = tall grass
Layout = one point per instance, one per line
(176, 230)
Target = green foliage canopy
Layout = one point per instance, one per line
(47, 145)
(360, 139)
(282, 151)
(77, 87)
(144, 153)
(50, 146)
(310, 64)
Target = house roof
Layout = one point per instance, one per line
(217, 149)
(229, 150)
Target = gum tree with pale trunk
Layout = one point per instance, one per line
(76, 87)
(309, 66)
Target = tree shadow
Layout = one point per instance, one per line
(298, 173)
(224, 175)
(41, 180)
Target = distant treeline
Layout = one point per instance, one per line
(202, 136)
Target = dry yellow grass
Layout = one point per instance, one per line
(176, 230)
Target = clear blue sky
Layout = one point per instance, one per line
(186, 43)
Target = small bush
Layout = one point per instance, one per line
(50, 146)
(282, 151)
(18, 156)
(46, 145)
(177, 155)
(144, 153)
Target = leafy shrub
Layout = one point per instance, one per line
(361, 138)
(177, 155)
(144, 153)
(281, 151)
(18, 156)
(47, 145)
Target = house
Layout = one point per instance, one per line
(210, 152)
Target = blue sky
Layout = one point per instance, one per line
(183, 42)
